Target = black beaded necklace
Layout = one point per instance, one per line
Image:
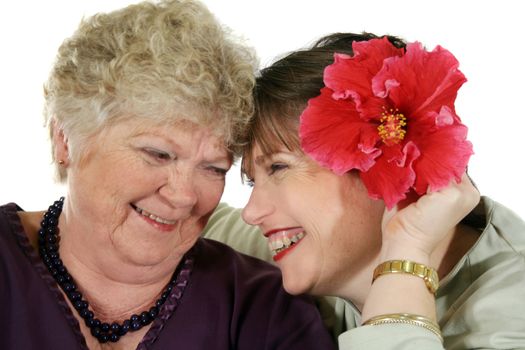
(48, 240)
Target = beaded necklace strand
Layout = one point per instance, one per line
(48, 241)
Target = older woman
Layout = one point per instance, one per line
(146, 108)
(330, 237)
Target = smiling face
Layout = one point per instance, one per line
(323, 228)
(142, 194)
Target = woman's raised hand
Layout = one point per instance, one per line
(417, 225)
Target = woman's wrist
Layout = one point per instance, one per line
(427, 274)
(404, 251)
(399, 293)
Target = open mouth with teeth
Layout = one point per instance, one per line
(153, 217)
(282, 242)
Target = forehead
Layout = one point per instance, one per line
(180, 133)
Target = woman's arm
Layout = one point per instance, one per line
(398, 299)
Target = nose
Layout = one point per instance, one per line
(258, 207)
(180, 189)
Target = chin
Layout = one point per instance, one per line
(141, 259)
(295, 287)
(145, 252)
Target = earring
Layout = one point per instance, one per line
(61, 162)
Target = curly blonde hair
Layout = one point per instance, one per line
(164, 61)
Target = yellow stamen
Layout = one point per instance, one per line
(392, 127)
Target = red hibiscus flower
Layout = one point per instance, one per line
(389, 113)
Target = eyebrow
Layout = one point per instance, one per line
(218, 158)
(228, 159)
(264, 157)
(261, 159)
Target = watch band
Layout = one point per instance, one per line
(428, 274)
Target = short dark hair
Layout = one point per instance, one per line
(283, 89)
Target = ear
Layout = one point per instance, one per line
(60, 147)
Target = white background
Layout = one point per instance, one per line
(486, 36)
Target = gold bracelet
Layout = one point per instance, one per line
(415, 320)
(428, 274)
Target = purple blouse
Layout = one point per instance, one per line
(223, 300)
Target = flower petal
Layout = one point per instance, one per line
(444, 117)
(428, 80)
(445, 153)
(350, 76)
(393, 175)
(333, 134)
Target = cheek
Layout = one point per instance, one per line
(308, 196)
(209, 194)
(355, 226)
(116, 168)
(208, 197)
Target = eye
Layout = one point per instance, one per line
(217, 171)
(158, 155)
(275, 167)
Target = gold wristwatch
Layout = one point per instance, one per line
(428, 274)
